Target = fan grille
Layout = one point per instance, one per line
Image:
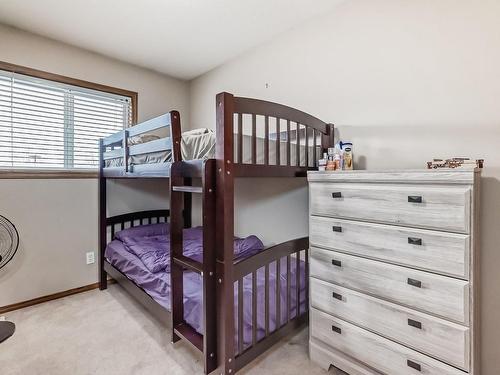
(9, 241)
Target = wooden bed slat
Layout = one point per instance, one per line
(146, 126)
(266, 298)
(240, 316)
(315, 151)
(125, 150)
(266, 140)
(157, 145)
(288, 292)
(254, 139)
(306, 276)
(306, 148)
(288, 144)
(254, 307)
(278, 294)
(150, 125)
(278, 141)
(297, 283)
(297, 140)
(240, 138)
(162, 144)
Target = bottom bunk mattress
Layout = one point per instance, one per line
(157, 285)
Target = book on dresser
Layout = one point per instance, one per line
(394, 271)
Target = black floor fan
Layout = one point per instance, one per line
(9, 242)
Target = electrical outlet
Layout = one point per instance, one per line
(90, 257)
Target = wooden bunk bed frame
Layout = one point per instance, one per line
(219, 271)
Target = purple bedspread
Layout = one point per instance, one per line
(151, 244)
(143, 256)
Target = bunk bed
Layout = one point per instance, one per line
(230, 306)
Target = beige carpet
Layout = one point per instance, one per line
(110, 334)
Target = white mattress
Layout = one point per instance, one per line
(200, 144)
(196, 144)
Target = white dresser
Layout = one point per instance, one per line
(394, 271)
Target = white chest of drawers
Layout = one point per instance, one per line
(394, 271)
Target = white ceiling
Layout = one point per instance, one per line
(182, 38)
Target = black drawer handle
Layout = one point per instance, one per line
(337, 263)
(414, 365)
(336, 228)
(415, 283)
(337, 296)
(414, 198)
(336, 329)
(414, 323)
(337, 194)
(415, 241)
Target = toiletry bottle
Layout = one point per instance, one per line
(330, 164)
(338, 160)
(348, 157)
(322, 162)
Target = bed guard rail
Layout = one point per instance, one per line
(117, 145)
(281, 271)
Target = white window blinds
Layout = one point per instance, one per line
(46, 124)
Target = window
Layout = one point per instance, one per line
(50, 124)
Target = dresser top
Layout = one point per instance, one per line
(423, 176)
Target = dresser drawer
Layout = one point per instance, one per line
(436, 337)
(440, 295)
(373, 350)
(435, 207)
(441, 252)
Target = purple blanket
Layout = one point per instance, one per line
(151, 244)
(157, 284)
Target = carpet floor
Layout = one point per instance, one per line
(108, 333)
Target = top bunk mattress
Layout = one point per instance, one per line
(200, 144)
(195, 144)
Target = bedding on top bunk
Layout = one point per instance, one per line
(200, 144)
(195, 144)
(142, 254)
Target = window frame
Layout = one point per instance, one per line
(56, 172)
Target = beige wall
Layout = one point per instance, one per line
(405, 81)
(57, 219)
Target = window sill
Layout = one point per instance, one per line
(32, 173)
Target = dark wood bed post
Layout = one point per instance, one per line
(209, 267)
(175, 119)
(176, 249)
(224, 233)
(103, 277)
(328, 140)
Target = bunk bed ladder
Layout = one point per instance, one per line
(180, 186)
